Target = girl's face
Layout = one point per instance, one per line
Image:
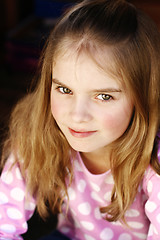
(91, 108)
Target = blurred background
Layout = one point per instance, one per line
(24, 27)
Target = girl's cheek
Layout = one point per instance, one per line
(109, 121)
(118, 120)
(58, 109)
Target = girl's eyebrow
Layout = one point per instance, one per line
(110, 90)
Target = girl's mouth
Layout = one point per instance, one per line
(81, 134)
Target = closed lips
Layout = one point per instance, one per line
(81, 133)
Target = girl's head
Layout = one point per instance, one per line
(122, 42)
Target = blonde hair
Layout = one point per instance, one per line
(134, 43)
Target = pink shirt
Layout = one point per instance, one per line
(87, 193)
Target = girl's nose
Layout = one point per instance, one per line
(80, 111)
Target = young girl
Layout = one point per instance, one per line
(85, 142)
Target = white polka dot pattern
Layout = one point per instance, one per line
(81, 186)
(7, 228)
(17, 194)
(87, 225)
(3, 198)
(125, 236)
(15, 206)
(14, 213)
(89, 192)
(71, 194)
(107, 234)
(150, 206)
(7, 177)
(87, 237)
(84, 208)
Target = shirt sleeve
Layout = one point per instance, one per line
(16, 205)
(152, 205)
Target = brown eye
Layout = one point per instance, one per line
(104, 97)
(64, 90)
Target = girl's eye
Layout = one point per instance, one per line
(64, 90)
(104, 97)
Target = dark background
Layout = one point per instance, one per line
(24, 27)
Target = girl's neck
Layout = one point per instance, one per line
(96, 162)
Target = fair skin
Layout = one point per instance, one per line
(91, 108)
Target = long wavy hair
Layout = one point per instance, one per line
(96, 27)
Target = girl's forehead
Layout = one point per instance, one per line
(82, 74)
(99, 58)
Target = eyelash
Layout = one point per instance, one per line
(103, 95)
